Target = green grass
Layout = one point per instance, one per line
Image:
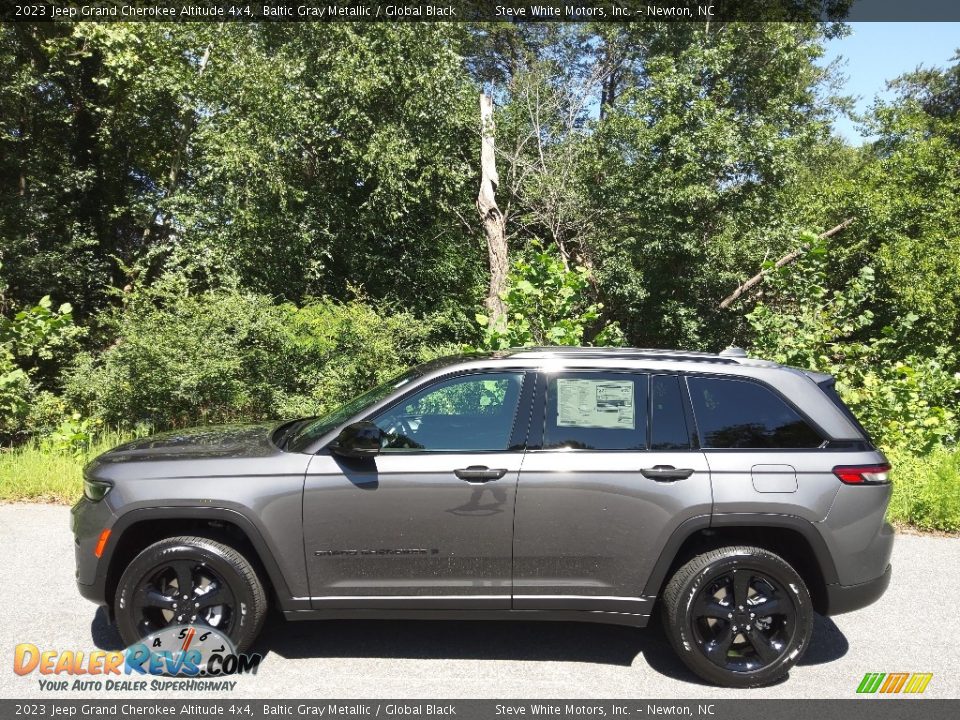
(926, 489)
(33, 473)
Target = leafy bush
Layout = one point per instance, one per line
(342, 349)
(903, 399)
(548, 304)
(223, 356)
(926, 489)
(34, 334)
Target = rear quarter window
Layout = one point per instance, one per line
(733, 413)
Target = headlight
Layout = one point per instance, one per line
(95, 490)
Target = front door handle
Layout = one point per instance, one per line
(480, 473)
(666, 472)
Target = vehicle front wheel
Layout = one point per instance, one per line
(190, 581)
(738, 616)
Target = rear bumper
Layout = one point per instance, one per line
(846, 598)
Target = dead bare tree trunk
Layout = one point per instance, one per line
(785, 260)
(494, 226)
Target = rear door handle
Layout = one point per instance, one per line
(480, 473)
(666, 472)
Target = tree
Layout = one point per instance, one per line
(493, 221)
(688, 168)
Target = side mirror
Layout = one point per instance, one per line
(358, 440)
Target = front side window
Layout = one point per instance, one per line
(596, 411)
(740, 414)
(470, 413)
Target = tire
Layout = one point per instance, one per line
(702, 606)
(209, 565)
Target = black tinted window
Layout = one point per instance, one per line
(740, 414)
(596, 411)
(469, 413)
(668, 422)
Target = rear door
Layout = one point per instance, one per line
(611, 471)
(764, 453)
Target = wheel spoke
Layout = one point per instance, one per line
(214, 595)
(717, 648)
(764, 647)
(184, 571)
(154, 598)
(708, 606)
(741, 586)
(770, 605)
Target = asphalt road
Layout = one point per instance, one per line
(914, 628)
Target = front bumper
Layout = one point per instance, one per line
(87, 521)
(846, 598)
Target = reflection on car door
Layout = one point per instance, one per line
(604, 490)
(428, 523)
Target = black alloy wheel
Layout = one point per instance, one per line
(743, 620)
(738, 616)
(190, 581)
(184, 592)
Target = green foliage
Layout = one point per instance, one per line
(223, 356)
(548, 304)
(73, 435)
(926, 489)
(38, 472)
(34, 334)
(904, 400)
(342, 349)
(689, 170)
(240, 181)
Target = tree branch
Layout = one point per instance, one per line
(785, 260)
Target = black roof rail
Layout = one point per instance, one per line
(615, 352)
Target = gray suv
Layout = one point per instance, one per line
(735, 497)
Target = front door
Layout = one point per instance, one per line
(606, 488)
(428, 523)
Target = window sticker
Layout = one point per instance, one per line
(595, 404)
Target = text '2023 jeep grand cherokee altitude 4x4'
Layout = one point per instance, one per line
(737, 495)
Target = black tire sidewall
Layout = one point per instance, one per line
(157, 555)
(762, 563)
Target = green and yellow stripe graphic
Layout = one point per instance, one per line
(894, 683)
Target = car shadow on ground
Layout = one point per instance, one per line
(484, 640)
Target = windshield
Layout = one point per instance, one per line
(311, 431)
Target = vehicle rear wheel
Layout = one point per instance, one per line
(738, 616)
(190, 581)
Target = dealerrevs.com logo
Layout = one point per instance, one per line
(180, 657)
(887, 683)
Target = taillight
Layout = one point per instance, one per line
(863, 474)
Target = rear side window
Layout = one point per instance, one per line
(830, 390)
(596, 411)
(668, 421)
(740, 414)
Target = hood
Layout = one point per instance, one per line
(214, 441)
